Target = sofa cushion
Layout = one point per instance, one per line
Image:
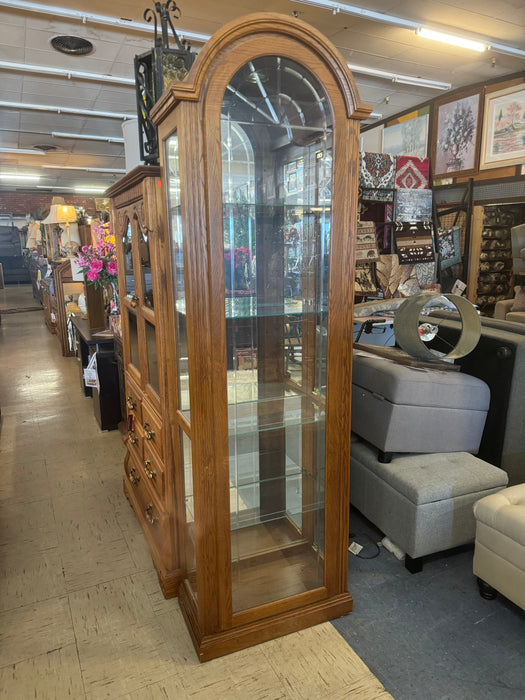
(413, 386)
(427, 478)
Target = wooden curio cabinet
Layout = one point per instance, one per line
(252, 280)
(136, 203)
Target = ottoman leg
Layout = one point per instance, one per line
(384, 457)
(413, 565)
(485, 590)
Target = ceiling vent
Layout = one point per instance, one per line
(44, 147)
(72, 45)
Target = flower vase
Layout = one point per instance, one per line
(96, 312)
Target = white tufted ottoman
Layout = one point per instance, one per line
(499, 553)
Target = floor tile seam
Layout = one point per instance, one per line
(85, 589)
(76, 646)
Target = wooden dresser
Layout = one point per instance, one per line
(148, 474)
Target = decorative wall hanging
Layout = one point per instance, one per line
(366, 242)
(414, 243)
(376, 173)
(456, 135)
(392, 276)
(365, 284)
(412, 173)
(449, 246)
(413, 205)
(504, 128)
(408, 137)
(426, 273)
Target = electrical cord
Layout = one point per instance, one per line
(364, 534)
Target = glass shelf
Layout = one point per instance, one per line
(273, 414)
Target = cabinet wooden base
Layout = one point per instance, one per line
(212, 646)
(169, 578)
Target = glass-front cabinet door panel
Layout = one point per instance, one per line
(133, 340)
(151, 353)
(276, 130)
(128, 260)
(145, 267)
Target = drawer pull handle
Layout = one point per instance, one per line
(134, 477)
(152, 519)
(150, 434)
(132, 405)
(133, 438)
(151, 473)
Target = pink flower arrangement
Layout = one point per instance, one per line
(98, 261)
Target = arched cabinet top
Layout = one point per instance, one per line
(236, 33)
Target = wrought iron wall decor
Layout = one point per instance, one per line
(155, 70)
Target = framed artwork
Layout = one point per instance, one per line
(456, 135)
(504, 128)
(408, 137)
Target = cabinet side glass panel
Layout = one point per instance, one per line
(189, 545)
(177, 262)
(276, 130)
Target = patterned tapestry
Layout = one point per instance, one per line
(377, 174)
(412, 173)
(366, 242)
(413, 205)
(414, 243)
(449, 246)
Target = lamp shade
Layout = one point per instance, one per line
(60, 214)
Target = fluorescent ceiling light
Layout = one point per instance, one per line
(360, 12)
(337, 7)
(451, 39)
(21, 178)
(85, 17)
(403, 79)
(87, 137)
(29, 151)
(90, 190)
(66, 110)
(59, 188)
(87, 170)
(65, 73)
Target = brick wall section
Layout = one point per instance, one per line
(20, 204)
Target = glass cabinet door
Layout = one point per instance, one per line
(276, 127)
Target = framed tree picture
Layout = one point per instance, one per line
(456, 135)
(504, 128)
(407, 136)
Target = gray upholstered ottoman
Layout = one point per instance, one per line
(422, 502)
(411, 409)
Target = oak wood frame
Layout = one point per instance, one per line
(192, 108)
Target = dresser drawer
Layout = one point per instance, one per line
(153, 471)
(133, 400)
(152, 429)
(154, 520)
